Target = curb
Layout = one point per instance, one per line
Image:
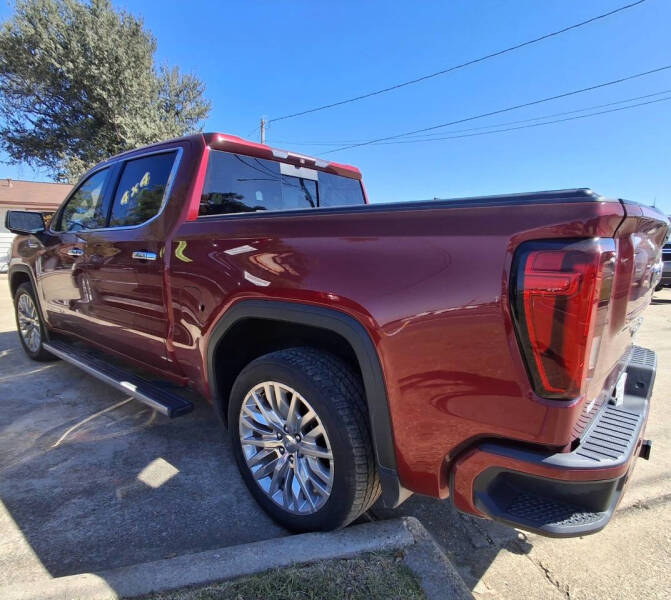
(437, 575)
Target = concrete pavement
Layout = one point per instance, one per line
(90, 481)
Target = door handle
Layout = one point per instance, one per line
(144, 255)
(75, 252)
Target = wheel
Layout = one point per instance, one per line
(659, 287)
(29, 324)
(299, 430)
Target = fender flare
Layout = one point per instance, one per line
(356, 335)
(27, 270)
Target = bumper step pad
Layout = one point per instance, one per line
(565, 508)
(540, 511)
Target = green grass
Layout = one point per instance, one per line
(373, 576)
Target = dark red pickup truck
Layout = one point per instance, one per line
(478, 349)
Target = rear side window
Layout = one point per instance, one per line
(85, 209)
(236, 183)
(142, 185)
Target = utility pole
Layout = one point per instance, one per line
(263, 130)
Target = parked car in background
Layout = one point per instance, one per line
(348, 347)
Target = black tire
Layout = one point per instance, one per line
(659, 287)
(39, 354)
(336, 395)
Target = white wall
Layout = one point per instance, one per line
(5, 242)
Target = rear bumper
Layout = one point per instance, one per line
(565, 494)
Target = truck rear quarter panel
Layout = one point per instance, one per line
(430, 286)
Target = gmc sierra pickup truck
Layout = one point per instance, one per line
(476, 349)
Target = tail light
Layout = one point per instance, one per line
(560, 291)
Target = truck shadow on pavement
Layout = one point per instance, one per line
(91, 480)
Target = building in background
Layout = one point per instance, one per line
(26, 195)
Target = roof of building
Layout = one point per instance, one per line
(32, 195)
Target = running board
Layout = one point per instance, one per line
(167, 403)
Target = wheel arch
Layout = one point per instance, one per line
(334, 322)
(18, 274)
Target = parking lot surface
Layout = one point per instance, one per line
(90, 480)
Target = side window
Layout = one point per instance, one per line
(85, 210)
(139, 195)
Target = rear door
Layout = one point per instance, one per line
(124, 262)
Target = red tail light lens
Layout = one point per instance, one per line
(560, 292)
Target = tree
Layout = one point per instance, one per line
(78, 84)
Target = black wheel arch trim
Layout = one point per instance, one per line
(20, 268)
(356, 335)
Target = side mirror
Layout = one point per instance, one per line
(23, 222)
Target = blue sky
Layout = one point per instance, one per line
(273, 58)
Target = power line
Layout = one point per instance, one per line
(252, 132)
(603, 112)
(456, 67)
(430, 136)
(501, 110)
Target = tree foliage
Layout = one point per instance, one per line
(78, 84)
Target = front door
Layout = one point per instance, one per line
(59, 266)
(124, 264)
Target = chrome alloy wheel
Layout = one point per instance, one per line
(29, 322)
(286, 447)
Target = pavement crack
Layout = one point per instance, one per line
(473, 522)
(564, 590)
(645, 504)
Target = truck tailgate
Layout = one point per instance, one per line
(639, 240)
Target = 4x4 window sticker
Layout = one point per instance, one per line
(135, 189)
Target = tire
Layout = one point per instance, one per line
(24, 300)
(659, 287)
(334, 393)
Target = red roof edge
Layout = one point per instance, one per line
(233, 143)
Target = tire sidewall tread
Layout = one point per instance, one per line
(336, 394)
(41, 355)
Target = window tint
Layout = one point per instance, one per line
(335, 190)
(236, 183)
(299, 192)
(139, 195)
(240, 184)
(84, 209)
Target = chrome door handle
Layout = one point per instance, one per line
(144, 255)
(75, 252)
